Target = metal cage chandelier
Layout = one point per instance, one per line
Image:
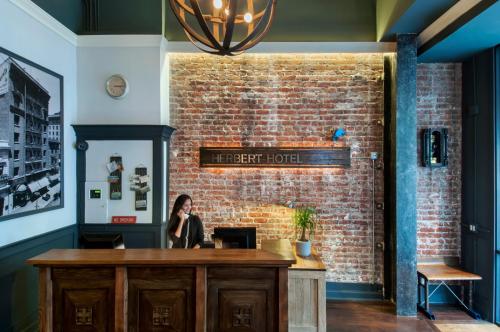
(211, 25)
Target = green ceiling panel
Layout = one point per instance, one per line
(312, 20)
(130, 16)
(68, 12)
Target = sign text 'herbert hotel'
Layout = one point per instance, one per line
(275, 157)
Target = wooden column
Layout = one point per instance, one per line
(121, 299)
(45, 299)
(201, 298)
(283, 299)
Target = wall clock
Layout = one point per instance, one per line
(117, 86)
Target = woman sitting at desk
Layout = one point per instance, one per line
(185, 229)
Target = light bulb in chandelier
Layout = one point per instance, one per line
(217, 4)
(224, 27)
(248, 17)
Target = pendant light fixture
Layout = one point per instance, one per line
(224, 27)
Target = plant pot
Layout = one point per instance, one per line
(303, 248)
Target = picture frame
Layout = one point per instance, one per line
(31, 137)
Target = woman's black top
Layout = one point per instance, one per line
(194, 237)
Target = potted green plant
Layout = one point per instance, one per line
(305, 222)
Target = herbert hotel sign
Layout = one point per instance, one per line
(275, 157)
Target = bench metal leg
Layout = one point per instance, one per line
(467, 309)
(423, 306)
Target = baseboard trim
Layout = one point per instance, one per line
(373, 292)
(353, 291)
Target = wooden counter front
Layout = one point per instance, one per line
(163, 290)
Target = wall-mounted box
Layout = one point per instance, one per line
(96, 202)
(435, 147)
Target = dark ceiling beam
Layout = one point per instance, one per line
(452, 20)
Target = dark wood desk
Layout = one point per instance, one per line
(163, 290)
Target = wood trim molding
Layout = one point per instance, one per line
(44, 18)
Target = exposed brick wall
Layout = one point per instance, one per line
(439, 100)
(282, 100)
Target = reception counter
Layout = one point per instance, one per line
(163, 290)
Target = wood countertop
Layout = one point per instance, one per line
(286, 250)
(79, 257)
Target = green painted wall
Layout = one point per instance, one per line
(130, 17)
(115, 16)
(68, 12)
(312, 20)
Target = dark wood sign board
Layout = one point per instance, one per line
(275, 157)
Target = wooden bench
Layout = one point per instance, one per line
(443, 271)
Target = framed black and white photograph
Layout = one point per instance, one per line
(31, 137)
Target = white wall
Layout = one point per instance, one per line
(141, 60)
(23, 34)
(134, 154)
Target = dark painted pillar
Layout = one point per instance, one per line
(401, 174)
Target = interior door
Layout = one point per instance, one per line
(479, 178)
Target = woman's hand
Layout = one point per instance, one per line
(178, 231)
(181, 214)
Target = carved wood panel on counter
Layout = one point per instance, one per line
(83, 299)
(160, 299)
(241, 299)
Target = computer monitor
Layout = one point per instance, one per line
(237, 237)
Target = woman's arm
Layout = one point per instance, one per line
(178, 230)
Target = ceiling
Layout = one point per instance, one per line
(303, 21)
(480, 33)
(309, 21)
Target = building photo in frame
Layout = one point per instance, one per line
(31, 137)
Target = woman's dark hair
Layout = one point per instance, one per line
(173, 222)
